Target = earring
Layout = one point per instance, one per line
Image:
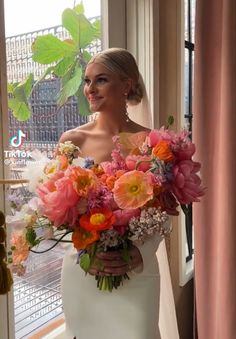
(127, 119)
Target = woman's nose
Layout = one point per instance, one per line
(91, 87)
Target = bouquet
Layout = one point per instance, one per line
(112, 205)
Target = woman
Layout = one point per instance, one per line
(112, 82)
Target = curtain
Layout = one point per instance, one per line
(214, 133)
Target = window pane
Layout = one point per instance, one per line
(186, 34)
(193, 14)
(186, 86)
(37, 294)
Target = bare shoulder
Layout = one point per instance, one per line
(76, 135)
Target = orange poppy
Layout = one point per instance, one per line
(83, 180)
(97, 220)
(163, 152)
(82, 238)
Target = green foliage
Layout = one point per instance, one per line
(20, 96)
(69, 59)
(71, 86)
(85, 262)
(170, 121)
(48, 48)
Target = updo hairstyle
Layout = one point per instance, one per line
(120, 61)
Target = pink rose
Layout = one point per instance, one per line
(186, 185)
(122, 219)
(132, 160)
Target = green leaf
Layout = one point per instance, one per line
(82, 102)
(170, 120)
(48, 71)
(23, 90)
(71, 86)
(125, 254)
(86, 56)
(11, 87)
(87, 32)
(79, 9)
(20, 110)
(63, 66)
(85, 262)
(97, 28)
(70, 20)
(48, 48)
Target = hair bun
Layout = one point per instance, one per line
(135, 94)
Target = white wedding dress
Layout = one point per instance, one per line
(143, 308)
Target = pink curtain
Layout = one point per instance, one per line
(214, 132)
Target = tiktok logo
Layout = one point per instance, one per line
(17, 140)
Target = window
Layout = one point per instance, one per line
(188, 90)
(37, 299)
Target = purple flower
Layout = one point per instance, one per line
(88, 162)
(100, 199)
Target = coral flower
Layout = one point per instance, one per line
(98, 220)
(21, 248)
(82, 238)
(83, 180)
(162, 151)
(143, 162)
(133, 189)
(59, 202)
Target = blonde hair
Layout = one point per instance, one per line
(120, 61)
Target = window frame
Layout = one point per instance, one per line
(186, 229)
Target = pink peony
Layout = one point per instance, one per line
(184, 151)
(168, 203)
(155, 136)
(60, 204)
(123, 216)
(122, 219)
(186, 184)
(133, 160)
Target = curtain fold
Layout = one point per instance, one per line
(214, 125)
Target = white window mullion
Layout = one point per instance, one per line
(6, 301)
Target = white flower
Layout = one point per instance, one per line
(78, 162)
(68, 148)
(34, 171)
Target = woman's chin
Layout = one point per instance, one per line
(94, 108)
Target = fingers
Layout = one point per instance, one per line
(114, 255)
(112, 263)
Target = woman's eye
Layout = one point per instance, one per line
(87, 81)
(101, 80)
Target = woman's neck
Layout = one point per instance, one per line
(112, 122)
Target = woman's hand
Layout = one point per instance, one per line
(112, 263)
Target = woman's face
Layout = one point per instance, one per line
(104, 90)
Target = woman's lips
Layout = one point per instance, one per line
(94, 99)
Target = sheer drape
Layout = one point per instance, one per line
(214, 133)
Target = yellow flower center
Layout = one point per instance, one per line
(97, 218)
(134, 189)
(83, 182)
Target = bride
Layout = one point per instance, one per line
(112, 85)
